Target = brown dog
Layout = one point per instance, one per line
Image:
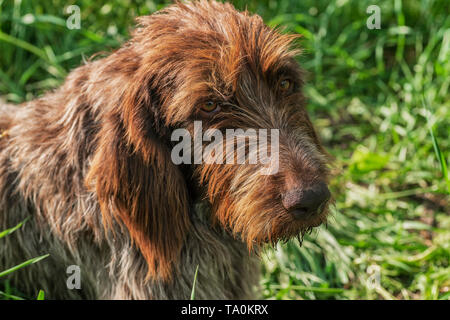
(91, 163)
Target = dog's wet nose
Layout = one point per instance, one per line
(304, 203)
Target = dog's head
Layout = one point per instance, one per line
(205, 69)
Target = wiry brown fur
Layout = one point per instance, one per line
(90, 163)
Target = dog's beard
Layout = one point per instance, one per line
(248, 205)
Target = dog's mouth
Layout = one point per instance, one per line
(300, 221)
(306, 216)
(287, 227)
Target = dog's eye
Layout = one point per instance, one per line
(285, 85)
(210, 107)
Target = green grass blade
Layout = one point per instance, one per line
(441, 158)
(194, 284)
(22, 265)
(11, 230)
(10, 296)
(24, 45)
(41, 295)
(312, 289)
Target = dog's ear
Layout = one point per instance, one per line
(137, 184)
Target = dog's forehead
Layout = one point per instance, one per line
(230, 44)
(212, 49)
(216, 35)
(246, 43)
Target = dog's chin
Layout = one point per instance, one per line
(297, 230)
(281, 231)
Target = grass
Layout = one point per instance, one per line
(7, 294)
(194, 284)
(379, 99)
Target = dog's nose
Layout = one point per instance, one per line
(302, 203)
